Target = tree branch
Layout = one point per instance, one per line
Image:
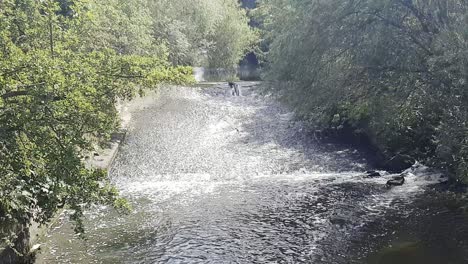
(14, 94)
(406, 31)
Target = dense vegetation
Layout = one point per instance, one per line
(211, 33)
(63, 66)
(394, 71)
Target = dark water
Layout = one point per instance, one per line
(220, 179)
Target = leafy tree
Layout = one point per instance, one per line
(230, 40)
(124, 26)
(57, 101)
(212, 33)
(394, 71)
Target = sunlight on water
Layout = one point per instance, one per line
(216, 179)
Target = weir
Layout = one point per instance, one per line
(220, 179)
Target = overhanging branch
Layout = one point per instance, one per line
(14, 94)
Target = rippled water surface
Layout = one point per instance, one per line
(220, 179)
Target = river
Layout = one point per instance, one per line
(214, 178)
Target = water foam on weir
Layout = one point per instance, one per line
(254, 180)
(190, 186)
(220, 179)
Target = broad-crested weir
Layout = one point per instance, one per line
(214, 178)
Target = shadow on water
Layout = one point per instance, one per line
(407, 253)
(433, 231)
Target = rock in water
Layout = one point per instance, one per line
(372, 174)
(396, 181)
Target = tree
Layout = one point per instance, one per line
(57, 102)
(231, 40)
(202, 32)
(124, 26)
(394, 71)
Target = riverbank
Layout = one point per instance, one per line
(388, 161)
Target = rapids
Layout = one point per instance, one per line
(220, 179)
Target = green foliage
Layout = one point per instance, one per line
(393, 70)
(231, 39)
(213, 33)
(57, 101)
(124, 26)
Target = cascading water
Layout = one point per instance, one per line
(220, 179)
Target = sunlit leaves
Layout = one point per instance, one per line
(211, 33)
(57, 101)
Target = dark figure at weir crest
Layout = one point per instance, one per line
(235, 88)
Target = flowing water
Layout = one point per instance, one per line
(219, 179)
